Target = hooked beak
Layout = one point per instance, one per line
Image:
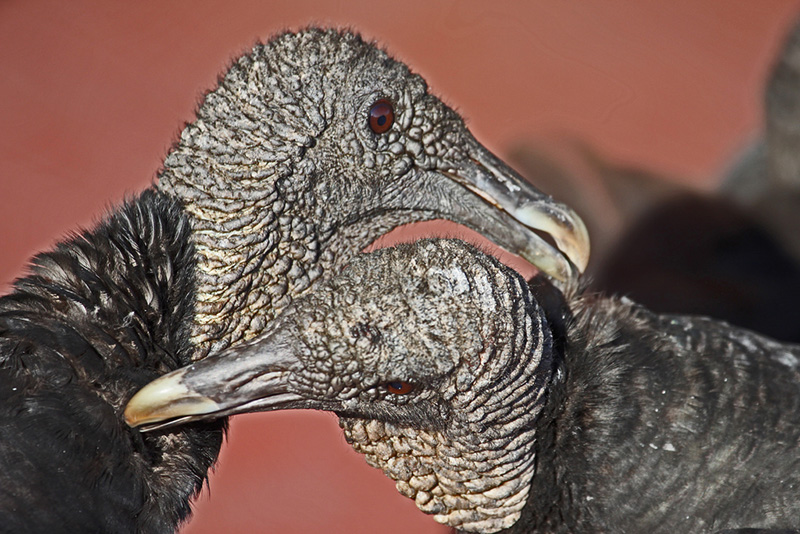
(251, 377)
(527, 212)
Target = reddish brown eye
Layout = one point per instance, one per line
(399, 388)
(381, 116)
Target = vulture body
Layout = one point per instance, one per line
(312, 146)
(498, 407)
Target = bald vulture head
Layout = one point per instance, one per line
(314, 145)
(410, 347)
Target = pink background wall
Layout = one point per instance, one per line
(92, 94)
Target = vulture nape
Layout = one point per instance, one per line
(312, 146)
(498, 407)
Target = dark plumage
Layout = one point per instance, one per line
(277, 184)
(448, 374)
(99, 317)
(704, 255)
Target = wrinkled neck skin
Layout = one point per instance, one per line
(588, 406)
(474, 472)
(252, 263)
(264, 232)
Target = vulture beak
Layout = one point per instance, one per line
(529, 214)
(249, 378)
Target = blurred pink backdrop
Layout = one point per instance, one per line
(92, 94)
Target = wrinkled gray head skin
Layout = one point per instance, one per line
(460, 332)
(438, 317)
(285, 182)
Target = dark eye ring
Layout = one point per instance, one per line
(381, 116)
(399, 387)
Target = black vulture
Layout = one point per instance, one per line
(734, 255)
(502, 407)
(312, 146)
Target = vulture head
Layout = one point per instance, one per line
(314, 145)
(434, 356)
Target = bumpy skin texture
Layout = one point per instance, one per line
(433, 319)
(98, 317)
(284, 180)
(621, 421)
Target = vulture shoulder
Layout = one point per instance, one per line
(98, 317)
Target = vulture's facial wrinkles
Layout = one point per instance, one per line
(429, 315)
(285, 179)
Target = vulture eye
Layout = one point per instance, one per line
(399, 388)
(381, 116)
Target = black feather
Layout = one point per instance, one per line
(97, 318)
(665, 421)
